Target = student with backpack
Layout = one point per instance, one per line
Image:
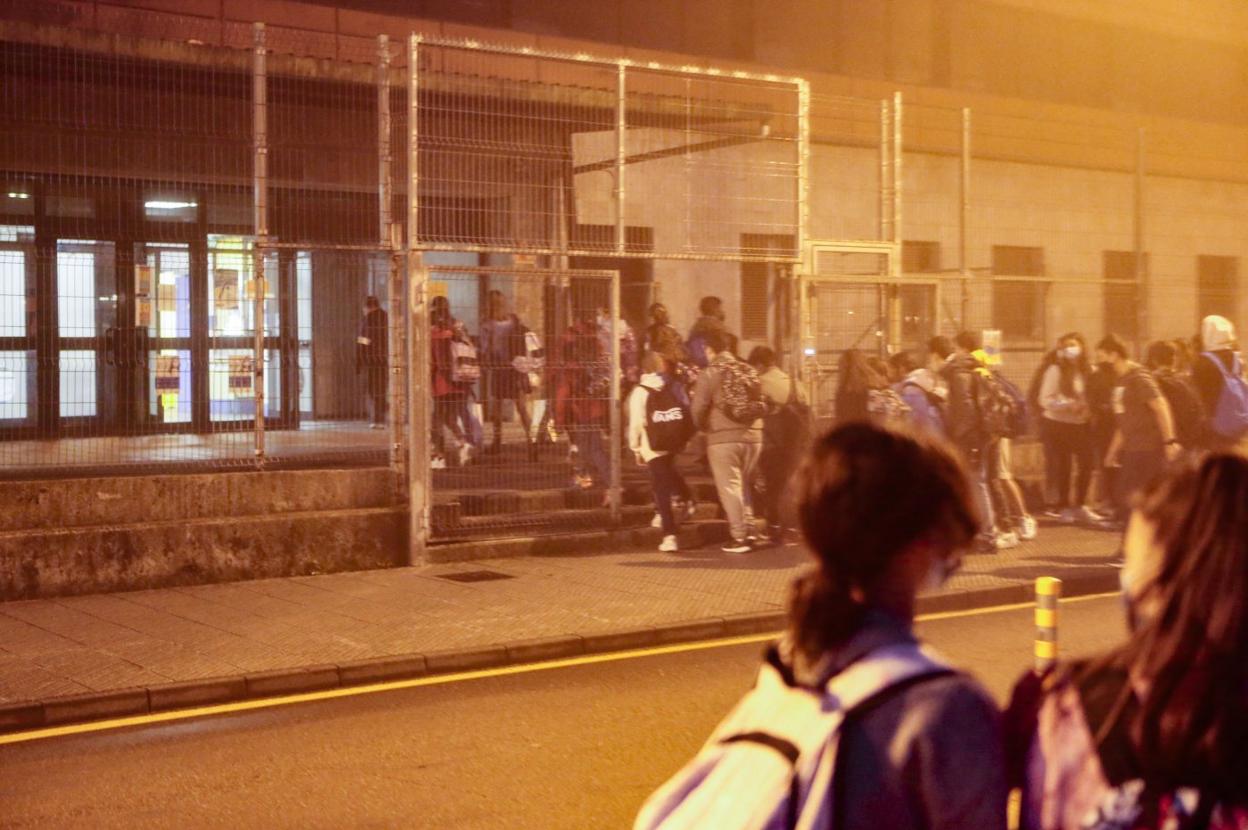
(853, 724)
(728, 406)
(1219, 377)
(921, 389)
(659, 427)
(1153, 734)
(786, 432)
(1010, 408)
(968, 431)
(1181, 394)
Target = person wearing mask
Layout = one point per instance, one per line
(965, 429)
(502, 341)
(1065, 418)
(372, 357)
(1155, 732)
(732, 445)
(1145, 440)
(923, 390)
(786, 429)
(1218, 373)
(886, 514)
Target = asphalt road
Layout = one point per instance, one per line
(577, 747)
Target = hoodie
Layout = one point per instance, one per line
(1217, 338)
(926, 395)
(638, 440)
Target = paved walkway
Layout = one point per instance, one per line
(80, 657)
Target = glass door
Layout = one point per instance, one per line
(163, 332)
(86, 308)
(231, 332)
(17, 341)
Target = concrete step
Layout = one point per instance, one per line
(36, 563)
(107, 502)
(694, 534)
(554, 521)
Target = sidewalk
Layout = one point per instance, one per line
(78, 658)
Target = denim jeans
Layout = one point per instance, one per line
(668, 484)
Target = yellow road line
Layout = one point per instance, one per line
(441, 679)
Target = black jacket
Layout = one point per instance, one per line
(962, 419)
(373, 347)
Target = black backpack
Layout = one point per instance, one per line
(669, 424)
(1185, 407)
(789, 426)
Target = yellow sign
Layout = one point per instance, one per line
(168, 372)
(439, 289)
(166, 297)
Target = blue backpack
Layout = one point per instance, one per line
(1230, 418)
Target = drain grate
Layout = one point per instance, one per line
(476, 576)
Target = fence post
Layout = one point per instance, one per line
(260, 175)
(390, 237)
(617, 442)
(803, 164)
(621, 126)
(416, 314)
(1048, 593)
(964, 196)
(1141, 264)
(897, 151)
(885, 130)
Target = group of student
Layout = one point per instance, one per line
(1126, 420)
(752, 415)
(854, 724)
(1130, 421)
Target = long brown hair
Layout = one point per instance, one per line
(865, 494)
(1191, 654)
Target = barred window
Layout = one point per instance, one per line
(1121, 309)
(1218, 289)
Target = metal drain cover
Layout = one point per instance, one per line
(476, 576)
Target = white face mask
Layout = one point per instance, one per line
(1072, 352)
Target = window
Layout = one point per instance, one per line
(920, 257)
(1121, 294)
(762, 285)
(1018, 305)
(1218, 290)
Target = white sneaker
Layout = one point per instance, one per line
(657, 521)
(438, 463)
(669, 545)
(465, 454)
(1068, 516)
(1029, 528)
(1005, 541)
(737, 547)
(1086, 515)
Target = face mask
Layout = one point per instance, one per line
(1072, 352)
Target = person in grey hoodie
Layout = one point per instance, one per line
(732, 448)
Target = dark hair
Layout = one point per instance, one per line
(1113, 345)
(716, 340)
(855, 374)
(967, 340)
(940, 346)
(708, 305)
(371, 301)
(1192, 654)
(1160, 354)
(762, 356)
(866, 494)
(903, 363)
(881, 368)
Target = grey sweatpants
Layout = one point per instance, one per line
(732, 465)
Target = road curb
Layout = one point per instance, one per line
(20, 716)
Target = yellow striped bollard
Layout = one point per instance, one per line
(1048, 592)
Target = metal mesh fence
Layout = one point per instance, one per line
(527, 368)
